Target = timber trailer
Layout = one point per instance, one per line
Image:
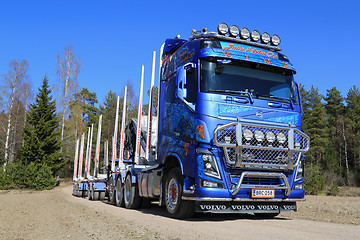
(227, 137)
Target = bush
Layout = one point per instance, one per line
(334, 190)
(314, 180)
(33, 176)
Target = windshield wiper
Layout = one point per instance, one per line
(235, 92)
(279, 98)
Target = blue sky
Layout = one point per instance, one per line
(114, 38)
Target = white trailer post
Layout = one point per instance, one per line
(87, 154)
(149, 120)
(122, 133)
(76, 160)
(90, 148)
(106, 153)
(81, 156)
(138, 130)
(97, 151)
(115, 135)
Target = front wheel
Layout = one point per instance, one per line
(177, 207)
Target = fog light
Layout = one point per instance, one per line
(259, 135)
(255, 36)
(270, 136)
(281, 137)
(275, 40)
(265, 38)
(223, 28)
(245, 33)
(234, 31)
(248, 134)
(299, 187)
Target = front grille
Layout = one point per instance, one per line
(275, 153)
(256, 181)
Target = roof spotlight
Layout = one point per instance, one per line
(275, 40)
(265, 38)
(223, 28)
(255, 36)
(244, 33)
(234, 31)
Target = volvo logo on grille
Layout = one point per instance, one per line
(259, 114)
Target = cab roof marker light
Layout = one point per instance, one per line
(265, 38)
(234, 31)
(275, 40)
(223, 28)
(255, 36)
(244, 33)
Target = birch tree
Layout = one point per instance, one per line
(14, 82)
(68, 68)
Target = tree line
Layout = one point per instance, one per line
(333, 124)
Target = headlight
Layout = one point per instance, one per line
(275, 40)
(223, 28)
(299, 171)
(245, 33)
(270, 136)
(248, 134)
(265, 38)
(259, 135)
(255, 36)
(234, 31)
(281, 137)
(210, 166)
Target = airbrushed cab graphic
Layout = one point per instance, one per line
(230, 120)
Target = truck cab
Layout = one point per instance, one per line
(229, 122)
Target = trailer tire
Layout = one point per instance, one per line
(119, 193)
(131, 194)
(89, 193)
(176, 207)
(95, 196)
(112, 193)
(101, 196)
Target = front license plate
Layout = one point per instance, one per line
(262, 193)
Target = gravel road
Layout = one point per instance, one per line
(56, 214)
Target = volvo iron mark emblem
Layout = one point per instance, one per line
(259, 114)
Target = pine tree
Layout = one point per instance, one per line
(41, 145)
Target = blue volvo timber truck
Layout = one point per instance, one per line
(228, 130)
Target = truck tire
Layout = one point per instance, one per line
(131, 194)
(176, 207)
(119, 193)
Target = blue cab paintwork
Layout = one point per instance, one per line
(178, 133)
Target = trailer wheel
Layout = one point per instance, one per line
(131, 197)
(89, 193)
(95, 196)
(119, 193)
(175, 206)
(111, 197)
(102, 196)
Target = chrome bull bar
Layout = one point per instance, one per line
(240, 184)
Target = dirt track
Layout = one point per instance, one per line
(56, 214)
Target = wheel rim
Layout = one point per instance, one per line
(173, 194)
(127, 188)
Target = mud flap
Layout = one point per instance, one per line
(245, 207)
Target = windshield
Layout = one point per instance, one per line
(246, 78)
